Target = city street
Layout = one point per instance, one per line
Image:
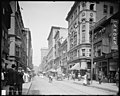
(41, 86)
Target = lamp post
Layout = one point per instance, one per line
(92, 54)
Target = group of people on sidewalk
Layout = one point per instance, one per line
(12, 79)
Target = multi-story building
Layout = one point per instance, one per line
(105, 46)
(51, 49)
(59, 37)
(29, 48)
(63, 56)
(44, 52)
(6, 15)
(17, 38)
(81, 18)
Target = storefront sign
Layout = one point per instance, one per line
(114, 34)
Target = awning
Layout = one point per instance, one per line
(52, 70)
(76, 67)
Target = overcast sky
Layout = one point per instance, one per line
(39, 16)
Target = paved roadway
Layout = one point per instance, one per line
(41, 86)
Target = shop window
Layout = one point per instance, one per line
(105, 9)
(111, 9)
(91, 6)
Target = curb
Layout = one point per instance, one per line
(29, 88)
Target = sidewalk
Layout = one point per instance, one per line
(26, 87)
(105, 86)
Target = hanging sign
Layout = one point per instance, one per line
(114, 34)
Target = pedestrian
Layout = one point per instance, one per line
(50, 78)
(100, 77)
(79, 77)
(26, 77)
(73, 76)
(109, 78)
(117, 78)
(88, 78)
(68, 76)
(11, 79)
(85, 79)
(19, 80)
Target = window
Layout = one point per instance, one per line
(91, 14)
(83, 27)
(91, 20)
(83, 20)
(99, 52)
(91, 6)
(83, 31)
(83, 37)
(105, 9)
(83, 4)
(89, 52)
(83, 14)
(83, 52)
(111, 9)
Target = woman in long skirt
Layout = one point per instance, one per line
(85, 79)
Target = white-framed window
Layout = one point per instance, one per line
(83, 52)
(83, 37)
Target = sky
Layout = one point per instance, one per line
(39, 16)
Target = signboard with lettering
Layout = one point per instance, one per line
(114, 34)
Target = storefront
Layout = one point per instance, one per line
(107, 63)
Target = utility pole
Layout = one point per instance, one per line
(92, 54)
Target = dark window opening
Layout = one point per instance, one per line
(91, 6)
(111, 9)
(91, 20)
(105, 8)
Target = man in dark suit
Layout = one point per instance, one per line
(19, 80)
(11, 79)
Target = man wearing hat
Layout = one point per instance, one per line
(19, 80)
(11, 79)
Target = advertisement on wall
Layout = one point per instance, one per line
(114, 34)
